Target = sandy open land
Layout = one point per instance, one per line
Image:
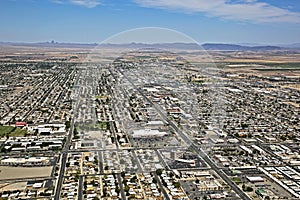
(23, 172)
(14, 186)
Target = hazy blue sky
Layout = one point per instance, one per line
(92, 21)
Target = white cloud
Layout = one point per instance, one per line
(239, 10)
(85, 3)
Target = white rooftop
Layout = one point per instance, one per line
(148, 133)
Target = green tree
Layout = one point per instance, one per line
(177, 184)
(123, 174)
(159, 171)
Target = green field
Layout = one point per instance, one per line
(11, 131)
(103, 125)
(237, 180)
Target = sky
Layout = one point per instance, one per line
(205, 21)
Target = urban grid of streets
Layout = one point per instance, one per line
(124, 84)
(152, 126)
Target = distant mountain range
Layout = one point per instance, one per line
(49, 44)
(295, 45)
(235, 47)
(183, 46)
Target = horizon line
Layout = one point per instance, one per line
(144, 43)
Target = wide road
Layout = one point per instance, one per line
(100, 162)
(140, 168)
(191, 143)
(64, 161)
(80, 188)
(121, 186)
(167, 197)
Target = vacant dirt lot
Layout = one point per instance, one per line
(23, 172)
(14, 186)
